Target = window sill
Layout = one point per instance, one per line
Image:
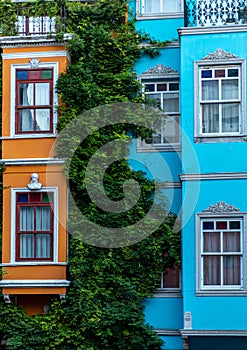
(28, 136)
(146, 16)
(162, 148)
(220, 138)
(167, 293)
(225, 292)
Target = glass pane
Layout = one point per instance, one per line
(211, 270)
(230, 89)
(210, 118)
(33, 74)
(34, 197)
(26, 120)
(46, 74)
(230, 117)
(42, 94)
(22, 198)
(171, 103)
(210, 90)
(231, 267)
(174, 87)
(232, 72)
(171, 278)
(152, 6)
(211, 242)
(170, 5)
(221, 225)
(26, 245)
(47, 198)
(171, 130)
(22, 75)
(26, 95)
(208, 225)
(231, 242)
(161, 87)
(43, 246)
(234, 225)
(43, 219)
(156, 98)
(26, 218)
(150, 87)
(219, 73)
(42, 119)
(206, 74)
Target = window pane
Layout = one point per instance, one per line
(33, 74)
(46, 74)
(171, 278)
(219, 73)
(174, 87)
(211, 242)
(230, 117)
(26, 95)
(22, 198)
(42, 94)
(26, 218)
(221, 225)
(232, 72)
(21, 75)
(206, 74)
(171, 103)
(208, 225)
(43, 246)
(150, 87)
(171, 129)
(26, 245)
(26, 120)
(34, 197)
(231, 242)
(43, 219)
(161, 87)
(152, 6)
(231, 266)
(156, 98)
(230, 89)
(42, 119)
(234, 225)
(210, 90)
(170, 5)
(47, 198)
(210, 118)
(211, 270)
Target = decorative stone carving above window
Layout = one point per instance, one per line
(219, 54)
(221, 207)
(34, 63)
(160, 69)
(34, 183)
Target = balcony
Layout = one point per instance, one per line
(208, 13)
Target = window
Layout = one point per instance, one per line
(221, 252)
(166, 96)
(161, 6)
(34, 101)
(171, 279)
(220, 100)
(34, 226)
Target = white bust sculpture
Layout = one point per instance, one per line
(34, 183)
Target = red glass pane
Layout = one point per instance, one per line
(161, 87)
(221, 225)
(219, 73)
(34, 197)
(33, 74)
(171, 278)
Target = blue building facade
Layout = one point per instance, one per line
(199, 79)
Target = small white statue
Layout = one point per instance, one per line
(34, 183)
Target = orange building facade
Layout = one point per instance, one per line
(34, 242)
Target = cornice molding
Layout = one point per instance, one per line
(237, 333)
(235, 28)
(32, 161)
(35, 55)
(33, 283)
(32, 40)
(160, 69)
(213, 176)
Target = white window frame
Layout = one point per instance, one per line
(220, 289)
(14, 191)
(142, 12)
(219, 136)
(142, 145)
(14, 67)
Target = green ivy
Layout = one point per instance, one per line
(104, 307)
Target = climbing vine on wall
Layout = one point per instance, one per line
(104, 308)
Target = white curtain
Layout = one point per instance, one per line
(43, 247)
(43, 219)
(152, 6)
(26, 115)
(26, 218)
(42, 98)
(210, 118)
(26, 245)
(211, 270)
(162, 6)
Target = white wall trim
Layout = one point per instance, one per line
(37, 54)
(233, 28)
(213, 176)
(237, 333)
(54, 190)
(34, 263)
(32, 161)
(33, 283)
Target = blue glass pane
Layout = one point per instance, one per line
(149, 87)
(23, 198)
(21, 74)
(206, 74)
(208, 225)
